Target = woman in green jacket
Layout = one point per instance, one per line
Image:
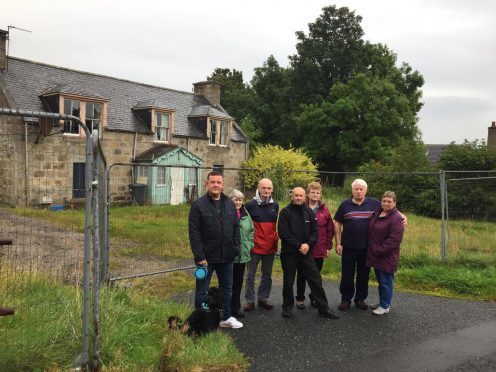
(247, 232)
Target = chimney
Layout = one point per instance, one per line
(4, 35)
(210, 90)
(491, 135)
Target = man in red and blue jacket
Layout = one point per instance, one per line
(263, 211)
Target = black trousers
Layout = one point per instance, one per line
(351, 260)
(238, 274)
(306, 264)
(301, 280)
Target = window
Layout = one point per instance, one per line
(78, 180)
(218, 168)
(162, 126)
(93, 115)
(71, 107)
(142, 171)
(213, 132)
(223, 133)
(90, 113)
(161, 176)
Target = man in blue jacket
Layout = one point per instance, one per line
(215, 241)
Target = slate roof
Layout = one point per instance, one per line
(434, 152)
(28, 80)
(154, 152)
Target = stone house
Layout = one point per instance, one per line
(132, 119)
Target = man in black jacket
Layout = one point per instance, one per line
(297, 229)
(215, 242)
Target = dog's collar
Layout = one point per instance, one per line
(205, 307)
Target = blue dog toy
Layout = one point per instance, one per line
(201, 272)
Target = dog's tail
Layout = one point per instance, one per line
(177, 323)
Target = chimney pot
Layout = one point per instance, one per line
(210, 90)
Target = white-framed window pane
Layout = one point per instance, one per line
(223, 133)
(161, 176)
(71, 107)
(162, 123)
(93, 115)
(213, 132)
(142, 171)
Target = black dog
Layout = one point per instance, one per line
(204, 319)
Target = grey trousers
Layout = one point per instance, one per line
(265, 281)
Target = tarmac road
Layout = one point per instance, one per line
(422, 333)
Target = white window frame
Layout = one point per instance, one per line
(161, 125)
(212, 141)
(223, 133)
(72, 125)
(90, 122)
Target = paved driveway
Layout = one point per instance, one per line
(422, 333)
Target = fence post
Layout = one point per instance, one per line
(442, 185)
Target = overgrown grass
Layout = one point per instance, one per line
(468, 272)
(45, 332)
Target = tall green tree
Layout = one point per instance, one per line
(360, 121)
(271, 83)
(330, 53)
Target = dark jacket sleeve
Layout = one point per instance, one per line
(236, 232)
(394, 237)
(314, 233)
(285, 233)
(195, 239)
(329, 230)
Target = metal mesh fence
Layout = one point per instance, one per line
(148, 216)
(40, 273)
(471, 214)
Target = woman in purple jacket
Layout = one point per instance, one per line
(325, 227)
(383, 253)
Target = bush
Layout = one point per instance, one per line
(286, 168)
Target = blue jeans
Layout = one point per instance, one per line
(224, 273)
(386, 282)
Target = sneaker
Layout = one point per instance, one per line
(362, 305)
(344, 305)
(232, 322)
(381, 311)
(300, 305)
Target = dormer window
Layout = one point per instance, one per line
(162, 126)
(91, 113)
(71, 107)
(223, 133)
(219, 132)
(213, 132)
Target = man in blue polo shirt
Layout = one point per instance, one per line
(353, 217)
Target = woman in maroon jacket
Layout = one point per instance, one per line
(383, 253)
(321, 249)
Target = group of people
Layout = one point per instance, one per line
(226, 236)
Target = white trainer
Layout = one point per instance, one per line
(381, 311)
(232, 322)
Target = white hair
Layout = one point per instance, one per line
(236, 194)
(359, 182)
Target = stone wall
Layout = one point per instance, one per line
(49, 175)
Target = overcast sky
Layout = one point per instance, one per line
(173, 44)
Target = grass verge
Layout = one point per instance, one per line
(45, 332)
